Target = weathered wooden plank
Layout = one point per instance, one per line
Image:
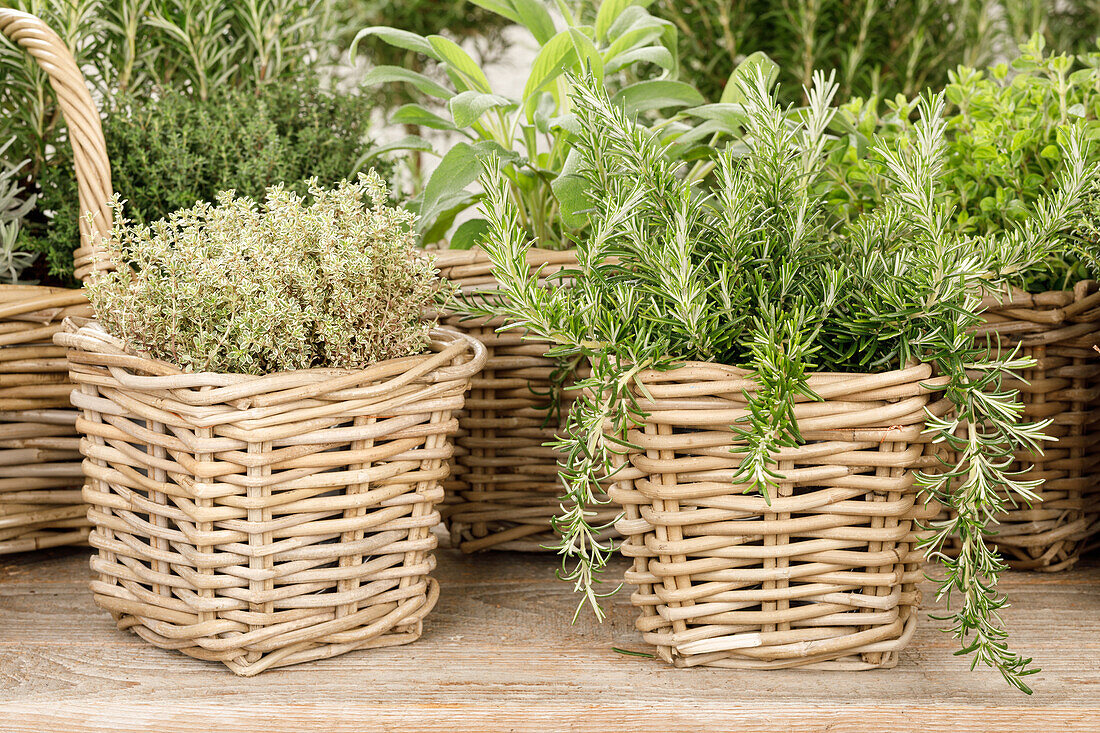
(499, 654)
(459, 717)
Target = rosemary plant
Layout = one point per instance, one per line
(752, 274)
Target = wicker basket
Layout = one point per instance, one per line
(266, 521)
(1059, 330)
(40, 474)
(505, 488)
(826, 575)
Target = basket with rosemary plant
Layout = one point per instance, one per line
(765, 391)
(1005, 129)
(266, 417)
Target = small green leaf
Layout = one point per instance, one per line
(746, 73)
(609, 12)
(1051, 152)
(587, 54)
(385, 74)
(395, 37)
(571, 191)
(731, 117)
(469, 234)
(415, 114)
(631, 18)
(984, 152)
(459, 168)
(444, 216)
(503, 8)
(658, 55)
(410, 142)
(657, 94)
(468, 107)
(647, 30)
(458, 61)
(534, 16)
(552, 60)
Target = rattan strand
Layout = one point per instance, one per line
(39, 462)
(266, 521)
(823, 577)
(505, 488)
(1059, 330)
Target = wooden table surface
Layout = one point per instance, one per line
(499, 654)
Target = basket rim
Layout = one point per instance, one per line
(445, 259)
(88, 335)
(705, 371)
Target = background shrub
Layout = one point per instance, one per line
(1005, 129)
(138, 46)
(172, 149)
(882, 47)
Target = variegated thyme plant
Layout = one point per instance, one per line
(754, 275)
(284, 284)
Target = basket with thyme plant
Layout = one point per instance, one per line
(1005, 126)
(760, 385)
(266, 415)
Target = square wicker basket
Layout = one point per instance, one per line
(40, 475)
(505, 489)
(266, 521)
(1059, 329)
(823, 576)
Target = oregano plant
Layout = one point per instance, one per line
(1006, 127)
(755, 274)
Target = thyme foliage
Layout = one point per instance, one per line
(289, 283)
(753, 274)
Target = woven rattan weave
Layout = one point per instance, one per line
(825, 575)
(266, 521)
(39, 462)
(1059, 330)
(505, 488)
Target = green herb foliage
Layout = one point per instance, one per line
(879, 47)
(258, 288)
(14, 205)
(143, 45)
(462, 20)
(1006, 128)
(170, 150)
(754, 275)
(530, 133)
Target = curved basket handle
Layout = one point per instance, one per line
(93, 171)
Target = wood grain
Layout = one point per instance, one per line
(499, 654)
